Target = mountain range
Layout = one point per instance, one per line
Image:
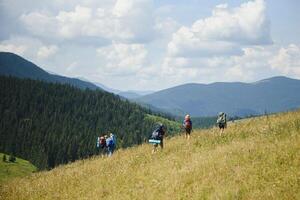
(129, 94)
(236, 99)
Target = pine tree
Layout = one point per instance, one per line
(4, 158)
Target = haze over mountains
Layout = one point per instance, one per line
(237, 99)
(130, 94)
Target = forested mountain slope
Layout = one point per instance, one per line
(50, 124)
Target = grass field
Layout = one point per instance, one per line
(10, 170)
(258, 158)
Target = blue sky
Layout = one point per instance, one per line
(155, 44)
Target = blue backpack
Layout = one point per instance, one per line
(110, 143)
(114, 139)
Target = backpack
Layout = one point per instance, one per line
(221, 118)
(188, 124)
(110, 143)
(158, 133)
(155, 135)
(114, 139)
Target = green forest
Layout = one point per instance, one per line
(51, 124)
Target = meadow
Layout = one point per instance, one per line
(257, 158)
(11, 170)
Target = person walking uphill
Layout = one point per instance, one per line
(114, 143)
(222, 122)
(157, 137)
(188, 126)
(102, 145)
(110, 144)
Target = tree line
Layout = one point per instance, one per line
(51, 124)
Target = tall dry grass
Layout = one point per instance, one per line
(258, 158)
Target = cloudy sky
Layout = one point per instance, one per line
(155, 44)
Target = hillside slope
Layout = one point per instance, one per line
(14, 65)
(19, 168)
(275, 94)
(255, 159)
(50, 124)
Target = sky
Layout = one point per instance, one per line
(155, 44)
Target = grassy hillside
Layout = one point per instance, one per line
(255, 159)
(19, 168)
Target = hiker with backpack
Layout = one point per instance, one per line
(222, 122)
(110, 144)
(187, 124)
(157, 137)
(101, 145)
(114, 142)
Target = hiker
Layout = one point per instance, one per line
(157, 137)
(114, 144)
(222, 122)
(187, 124)
(110, 145)
(102, 144)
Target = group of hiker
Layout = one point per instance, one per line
(159, 133)
(221, 122)
(106, 145)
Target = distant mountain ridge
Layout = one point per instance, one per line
(14, 65)
(240, 99)
(129, 94)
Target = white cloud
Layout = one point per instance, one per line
(42, 24)
(126, 20)
(287, 60)
(73, 23)
(244, 67)
(17, 49)
(166, 26)
(122, 59)
(224, 33)
(21, 45)
(32, 49)
(45, 52)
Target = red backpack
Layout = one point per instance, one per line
(188, 124)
